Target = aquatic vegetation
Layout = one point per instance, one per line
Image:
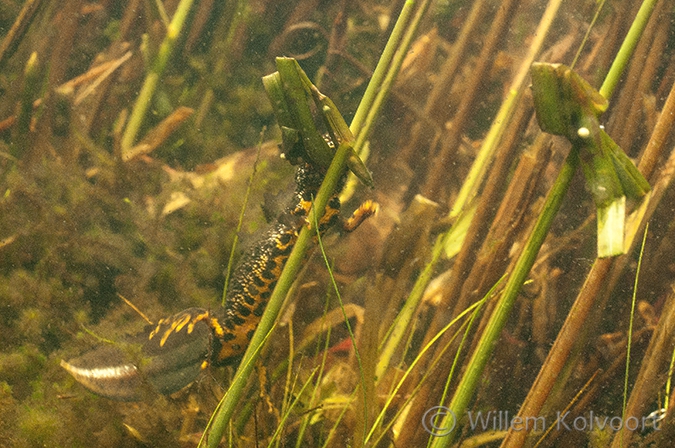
(380, 326)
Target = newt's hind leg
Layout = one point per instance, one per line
(365, 211)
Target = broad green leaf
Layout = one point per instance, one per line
(569, 106)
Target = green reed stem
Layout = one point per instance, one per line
(230, 400)
(473, 180)
(470, 379)
(404, 317)
(381, 69)
(152, 78)
(383, 92)
(223, 413)
(480, 357)
(627, 48)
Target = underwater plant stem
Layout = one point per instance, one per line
(596, 283)
(598, 10)
(381, 68)
(276, 439)
(490, 336)
(657, 141)
(473, 309)
(392, 72)
(639, 79)
(11, 40)
(156, 71)
(223, 414)
(652, 363)
(404, 317)
(446, 76)
(649, 384)
(228, 56)
(627, 47)
(493, 39)
(478, 168)
(503, 118)
(576, 318)
(230, 400)
(498, 319)
(629, 342)
(650, 379)
(366, 388)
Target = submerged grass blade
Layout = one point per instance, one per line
(240, 221)
(402, 322)
(469, 187)
(483, 351)
(630, 324)
(344, 315)
(419, 356)
(156, 71)
(317, 385)
(281, 424)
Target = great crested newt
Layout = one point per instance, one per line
(175, 350)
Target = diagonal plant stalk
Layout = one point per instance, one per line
(470, 185)
(643, 389)
(481, 355)
(13, 37)
(275, 437)
(381, 70)
(225, 409)
(314, 397)
(350, 331)
(383, 92)
(577, 315)
(152, 78)
(473, 309)
(227, 405)
(240, 220)
(631, 321)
